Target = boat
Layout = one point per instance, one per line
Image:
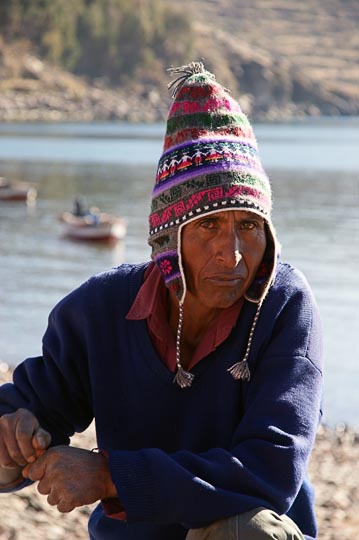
(94, 226)
(17, 191)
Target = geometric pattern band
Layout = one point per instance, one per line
(204, 155)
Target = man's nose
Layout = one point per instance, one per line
(229, 250)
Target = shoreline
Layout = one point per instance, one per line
(333, 470)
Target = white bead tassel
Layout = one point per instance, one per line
(183, 378)
(240, 370)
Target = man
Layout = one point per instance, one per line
(202, 369)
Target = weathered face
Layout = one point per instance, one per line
(221, 253)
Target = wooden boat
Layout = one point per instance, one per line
(17, 191)
(97, 226)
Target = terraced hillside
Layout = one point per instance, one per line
(285, 52)
(282, 58)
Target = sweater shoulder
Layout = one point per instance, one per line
(117, 276)
(291, 310)
(291, 286)
(119, 282)
(289, 279)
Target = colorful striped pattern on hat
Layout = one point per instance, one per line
(210, 162)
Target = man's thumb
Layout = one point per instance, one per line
(41, 439)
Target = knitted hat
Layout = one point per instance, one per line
(209, 163)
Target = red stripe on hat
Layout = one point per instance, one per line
(213, 103)
(193, 133)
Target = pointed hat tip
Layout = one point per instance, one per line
(184, 73)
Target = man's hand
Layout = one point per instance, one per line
(71, 477)
(22, 440)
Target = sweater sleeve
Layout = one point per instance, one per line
(55, 386)
(266, 462)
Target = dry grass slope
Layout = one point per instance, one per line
(285, 49)
(283, 58)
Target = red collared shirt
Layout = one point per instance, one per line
(151, 304)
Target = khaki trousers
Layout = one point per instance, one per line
(258, 524)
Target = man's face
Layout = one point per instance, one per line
(221, 253)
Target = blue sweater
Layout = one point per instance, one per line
(182, 458)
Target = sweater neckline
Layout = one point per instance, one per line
(158, 367)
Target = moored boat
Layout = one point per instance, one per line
(99, 226)
(16, 191)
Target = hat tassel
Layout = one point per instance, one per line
(183, 378)
(240, 371)
(184, 73)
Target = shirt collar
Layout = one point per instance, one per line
(147, 296)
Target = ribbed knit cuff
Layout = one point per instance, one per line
(111, 506)
(134, 483)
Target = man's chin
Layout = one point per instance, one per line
(221, 301)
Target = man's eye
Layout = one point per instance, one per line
(207, 223)
(248, 225)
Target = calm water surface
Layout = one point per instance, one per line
(314, 168)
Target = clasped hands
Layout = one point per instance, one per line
(69, 476)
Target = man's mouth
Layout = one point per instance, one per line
(226, 280)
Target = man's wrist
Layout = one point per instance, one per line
(110, 488)
(9, 477)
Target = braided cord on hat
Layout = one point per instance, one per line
(183, 378)
(240, 370)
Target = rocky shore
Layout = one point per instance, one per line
(334, 469)
(38, 92)
(45, 93)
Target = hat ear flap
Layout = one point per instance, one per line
(266, 271)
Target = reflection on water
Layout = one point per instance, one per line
(315, 213)
(39, 266)
(318, 223)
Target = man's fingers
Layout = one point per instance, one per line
(24, 433)
(25, 471)
(35, 471)
(22, 439)
(43, 487)
(65, 506)
(53, 498)
(10, 452)
(17, 430)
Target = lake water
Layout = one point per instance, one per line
(314, 168)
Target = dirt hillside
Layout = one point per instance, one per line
(282, 58)
(285, 53)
